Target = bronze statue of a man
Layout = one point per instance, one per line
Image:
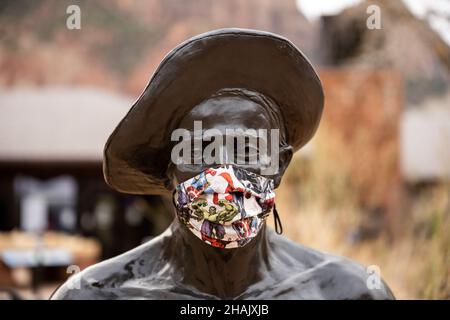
(218, 245)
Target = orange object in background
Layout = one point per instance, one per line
(362, 114)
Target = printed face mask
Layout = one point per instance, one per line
(225, 206)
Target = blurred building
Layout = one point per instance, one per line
(411, 48)
(51, 143)
(387, 97)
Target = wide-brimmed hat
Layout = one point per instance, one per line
(137, 153)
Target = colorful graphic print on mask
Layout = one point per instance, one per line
(225, 206)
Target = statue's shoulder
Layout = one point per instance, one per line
(104, 280)
(332, 276)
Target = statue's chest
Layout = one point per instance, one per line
(274, 292)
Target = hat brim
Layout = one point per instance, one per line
(137, 153)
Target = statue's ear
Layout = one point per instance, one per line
(284, 160)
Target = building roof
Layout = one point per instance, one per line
(57, 123)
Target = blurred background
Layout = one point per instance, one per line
(373, 185)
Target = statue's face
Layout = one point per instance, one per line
(229, 113)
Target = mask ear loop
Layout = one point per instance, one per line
(277, 221)
(173, 198)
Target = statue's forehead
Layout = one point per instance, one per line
(227, 111)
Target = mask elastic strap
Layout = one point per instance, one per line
(277, 221)
(173, 198)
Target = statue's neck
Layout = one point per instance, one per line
(225, 273)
